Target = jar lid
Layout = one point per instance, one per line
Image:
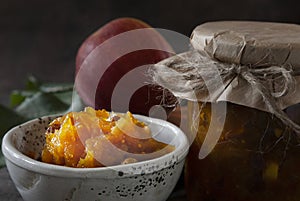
(249, 42)
(243, 62)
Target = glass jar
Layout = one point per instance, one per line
(255, 65)
(256, 157)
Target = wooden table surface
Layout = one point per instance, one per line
(8, 191)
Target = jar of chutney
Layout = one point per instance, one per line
(242, 83)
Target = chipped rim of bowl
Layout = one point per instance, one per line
(16, 157)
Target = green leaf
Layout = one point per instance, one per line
(56, 88)
(16, 98)
(37, 100)
(8, 119)
(65, 97)
(41, 104)
(32, 84)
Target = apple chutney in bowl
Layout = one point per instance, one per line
(143, 165)
(97, 138)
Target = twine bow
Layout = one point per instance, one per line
(256, 77)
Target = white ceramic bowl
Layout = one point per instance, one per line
(143, 181)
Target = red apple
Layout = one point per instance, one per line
(112, 63)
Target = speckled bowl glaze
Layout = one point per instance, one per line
(149, 180)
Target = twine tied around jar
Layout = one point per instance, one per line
(192, 72)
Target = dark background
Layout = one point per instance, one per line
(41, 37)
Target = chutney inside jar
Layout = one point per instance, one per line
(255, 158)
